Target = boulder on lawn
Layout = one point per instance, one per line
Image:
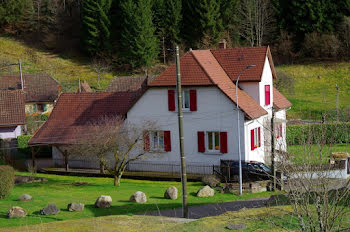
(211, 180)
(51, 209)
(171, 193)
(25, 197)
(103, 201)
(75, 207)
(206, 191)
(138, 197)
(16, 212)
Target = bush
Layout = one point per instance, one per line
(321, 46)
(22, 142)
(329, 133)
(7, 176)
(284, 82)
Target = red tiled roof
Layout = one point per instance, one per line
(12, 108)
(191, 73)
(211, 66)
(74, 112)
(37, 87)
(127, 83)
(280, 101)
(234, 60)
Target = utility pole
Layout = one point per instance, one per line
(273, 165)
(79, 88)
(20, 73)
(181, 136)
(164, 61)
(337, 86)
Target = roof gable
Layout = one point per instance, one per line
(234, 60)
(218, 76)
(191, 73)
(12, 108)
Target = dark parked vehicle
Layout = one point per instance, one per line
(251, 171)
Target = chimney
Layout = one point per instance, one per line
(222, 44)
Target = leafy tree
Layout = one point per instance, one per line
(96, 25)
(138, 37)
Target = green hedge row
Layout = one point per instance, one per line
(329, 133)
(7, 177)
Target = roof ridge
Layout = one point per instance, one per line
(205, 71)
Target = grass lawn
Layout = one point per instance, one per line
(255, 220)
(299, 151)
(314, 88)
(59, 190)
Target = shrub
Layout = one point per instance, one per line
(7, 176)
(321, 46)
(22, 142)
(329, 133)
(284, 82)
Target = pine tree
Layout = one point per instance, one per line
(191, 29)
(138, 34)
(96, 25)
(210, 21)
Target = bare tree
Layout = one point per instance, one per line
(100, 66)
(314, 188)
(115, 143)
(257, 20)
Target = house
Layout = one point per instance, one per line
(211, 116)
(127, 83)
(12, 115)
(41, 90)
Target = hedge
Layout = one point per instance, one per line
(7, 177)
(22, 142)
(329, 133)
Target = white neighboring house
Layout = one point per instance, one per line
(209, 105)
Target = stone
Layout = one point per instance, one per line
(139, 197)
(25, 197)
(50, 209)
(206, 191)
(16, 212)
(219, 189)
(211, 180)
(171, 193)
(236, 227)
(75, 207)
(103, 201)
(230, 188)
(257, 188)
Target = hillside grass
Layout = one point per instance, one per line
(59, 190)
(305, 152)
(65, 68)
(315, 88)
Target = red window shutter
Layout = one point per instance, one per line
(171, 100)
(223, 142)
(281, 130)
(146, 142)
(259, 136)
(193, 100)
(201, 143)
(252, 140)
(267, 95)
(167, 141)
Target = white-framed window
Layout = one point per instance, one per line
(213, 141)
(256, 137)
(186, 99)
(278, 130)
(157, 140)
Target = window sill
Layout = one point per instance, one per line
(213, 153)
(157, 151)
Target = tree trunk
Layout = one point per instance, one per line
(66, 160)
(116, 181)
(102, 168)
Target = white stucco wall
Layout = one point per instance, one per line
(281, 143)
(10, 132)
(215, 112)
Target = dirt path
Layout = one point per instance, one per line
(200, 211)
